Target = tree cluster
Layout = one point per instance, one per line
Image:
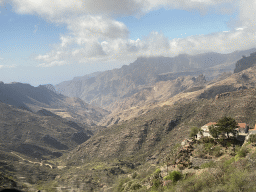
(224, 126)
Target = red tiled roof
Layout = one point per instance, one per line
(210, 123)
(242, 125)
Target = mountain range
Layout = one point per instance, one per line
(49, 140)
(31, 98)
(105, 88)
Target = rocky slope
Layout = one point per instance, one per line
(41, 135)
(147, 138)
(31, 98)
(150, 96)
(142, 140)
(143, 135)
(238, 81)
(245, 63)
(110, 86)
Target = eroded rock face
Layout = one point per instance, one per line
(245, 63)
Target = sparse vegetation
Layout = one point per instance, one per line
(129, 156)
(173, 176)
(194, 131)
(252, 138)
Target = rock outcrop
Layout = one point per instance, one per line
(245, 63)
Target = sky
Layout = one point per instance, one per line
(50, 41)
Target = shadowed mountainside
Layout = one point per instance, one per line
(245, 63)
(31, 98)
(38, 135)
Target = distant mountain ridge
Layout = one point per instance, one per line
(180, 90)
(25, 96)
(111, 86)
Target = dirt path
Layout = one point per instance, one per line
(40, 163)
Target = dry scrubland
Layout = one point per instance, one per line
(55, 144)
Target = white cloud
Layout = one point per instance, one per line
(91, 49)
(221, 6)
(7, 66)
(94, 35)
(155, 44)
(57, 9)
(240, 29)
(95, 27)
(1, 58)
(52, 64)
(247, 15)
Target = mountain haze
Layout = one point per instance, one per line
(179, 90)
(114, 85)
(31, 98)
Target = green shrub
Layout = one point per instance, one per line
(207, 140)
(217, 151)
(120, 184)
(208, 147)
(134, 175)
(174, 176)
(228, 144)
(209, 164)
(241, 153)
(156, 183)
(156, 174)
(193, 131)
(252, 138)
(135, 186)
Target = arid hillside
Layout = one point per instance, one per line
(105, 88)
(147, 138)
(41, 135)
(25, 96)
(186, 91)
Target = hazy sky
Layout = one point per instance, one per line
(49, 41)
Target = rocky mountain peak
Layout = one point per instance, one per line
(245, 63)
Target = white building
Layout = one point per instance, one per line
(205, 130)
(242, 129)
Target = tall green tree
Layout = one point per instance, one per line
(194, 131)
(227, 125)
(214, 131)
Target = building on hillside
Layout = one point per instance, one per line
(242, 129)
(205, 130)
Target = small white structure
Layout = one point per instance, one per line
(205, 130)
(242, 129)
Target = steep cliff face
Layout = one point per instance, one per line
(245, 63)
